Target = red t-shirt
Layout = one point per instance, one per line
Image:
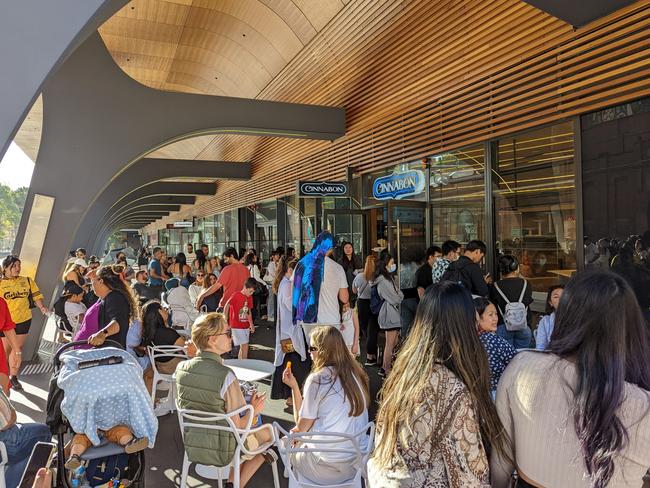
(5, 317)
(232, 278)
(6, 323)
(238, 313)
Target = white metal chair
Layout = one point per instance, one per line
(4, 459)
(325, 442)
(208, 420)
(63, 330)
(181, 320)
(167, 405)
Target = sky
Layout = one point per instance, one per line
(16, 168)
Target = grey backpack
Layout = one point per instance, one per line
(516, 313)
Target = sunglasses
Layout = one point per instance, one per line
(200, 275)
(313, 349)
(227, 333)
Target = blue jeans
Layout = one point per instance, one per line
(19, 441)
(519, 339)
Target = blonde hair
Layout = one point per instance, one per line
(206, 326)
(370, 268)
(332, 352)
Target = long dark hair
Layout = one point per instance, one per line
(549, 308)
(181, 260)
(444, 332)
(200, 257)
(151, 322)
(600, 327)
(381, 268)
(354, 262)
(281, 270)
(111, 276)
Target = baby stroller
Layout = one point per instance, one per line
(103, 463)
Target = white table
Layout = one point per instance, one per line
(250, 369)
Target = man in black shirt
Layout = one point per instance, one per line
(466, 269)
(142, 290)
(423, 276)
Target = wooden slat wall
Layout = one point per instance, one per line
(420, 77)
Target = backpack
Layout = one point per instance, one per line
(375, 300)
(455, 275)
(516, 313)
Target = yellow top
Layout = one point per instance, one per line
(15, 291)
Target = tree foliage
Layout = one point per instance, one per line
(11, 208)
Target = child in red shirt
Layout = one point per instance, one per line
(8, 327)
(238, 310)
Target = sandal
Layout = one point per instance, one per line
(73, 463)
(135, 445)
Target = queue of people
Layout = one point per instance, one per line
(465, 400)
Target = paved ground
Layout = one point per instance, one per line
(165, 460)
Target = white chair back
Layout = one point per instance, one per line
(155, 353)
(210, 421)
(348, 445)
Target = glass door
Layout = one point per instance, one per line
(348, 226)
(407, 239)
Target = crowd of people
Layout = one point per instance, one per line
(470, 395)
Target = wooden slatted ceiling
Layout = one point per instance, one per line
(419, 78)
(217, 47)
(214, 47)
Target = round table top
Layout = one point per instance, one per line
(250, 369)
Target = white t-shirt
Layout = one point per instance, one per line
(73, 310)
(328, 302)
(326, 403)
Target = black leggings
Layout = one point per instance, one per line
(368, 322)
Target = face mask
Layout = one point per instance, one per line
(392, 268)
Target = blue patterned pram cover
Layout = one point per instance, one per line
(105, 396)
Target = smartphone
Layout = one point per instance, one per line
(41, 458)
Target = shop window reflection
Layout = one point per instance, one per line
(457, 192)
(535, 203)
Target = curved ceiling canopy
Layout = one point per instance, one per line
(213, 47)
(216, 47)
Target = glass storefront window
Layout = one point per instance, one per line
(616, 192)
(308, 224)
(292, 228)
(457, 191)
(266, 229)
(535, 203)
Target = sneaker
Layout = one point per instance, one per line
(371, 361)
(15, 384)
(73, 463)
(135, 445)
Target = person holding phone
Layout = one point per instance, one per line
(19, 440)
(205, 383)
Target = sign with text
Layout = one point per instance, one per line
(398, 185)
(322, 189)
(183, 224)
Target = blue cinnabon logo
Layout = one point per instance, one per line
(398, 185)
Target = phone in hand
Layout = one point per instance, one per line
(41, 457)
